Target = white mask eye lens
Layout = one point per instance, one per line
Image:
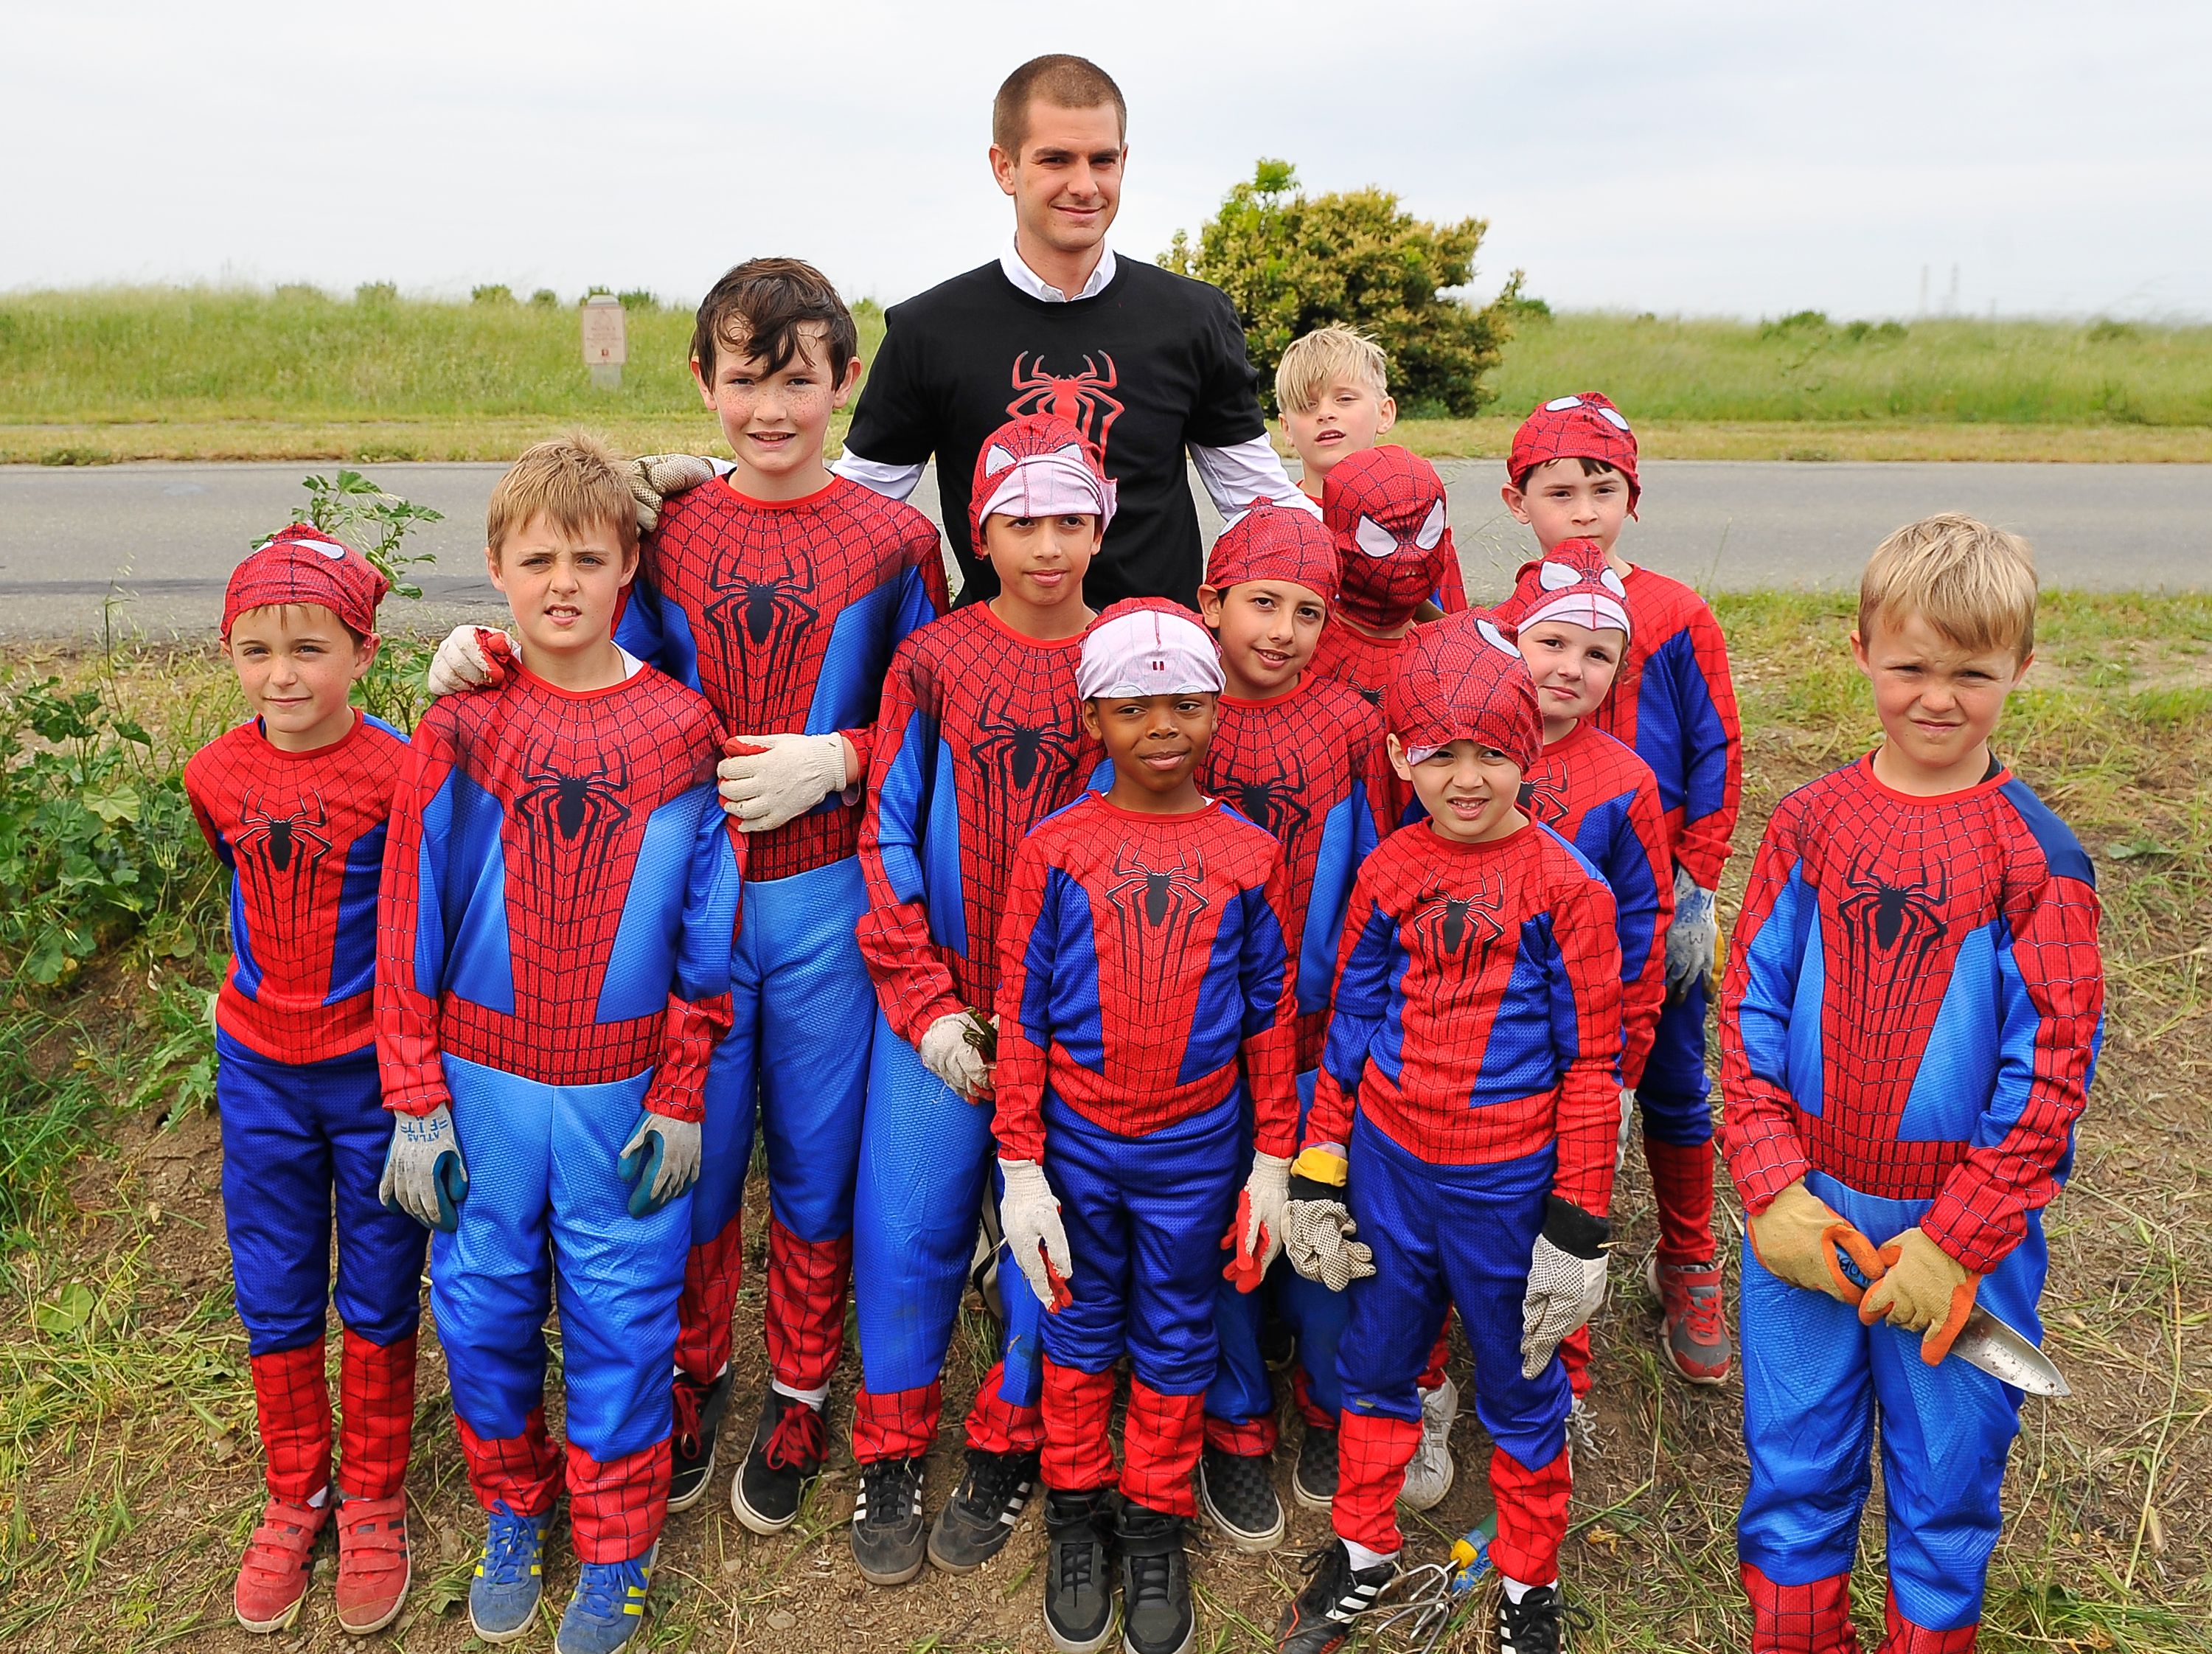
(1432, 529)
(1613, 583)
(1612, 417)
(997, 460)
(1560, 404)
(1556, 576)
(1376, 541)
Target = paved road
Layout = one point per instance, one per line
(161, 538)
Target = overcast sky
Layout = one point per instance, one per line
(1724, 158)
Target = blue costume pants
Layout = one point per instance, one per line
(1813, 1379)
(1672, 1097)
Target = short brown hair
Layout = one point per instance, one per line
(1975, 585)
(1317, 360)
(758, 308)
(1063, 81)
(574, 481)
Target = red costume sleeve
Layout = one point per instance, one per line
(1715, 752)
(411, 939)
(1271, 1029)
(1028, 949)
(1642, 999)
(913, 983)
(1766, 952)
(1590, 1090)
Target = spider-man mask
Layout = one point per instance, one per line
(1386, 509)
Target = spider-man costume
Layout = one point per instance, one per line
(1910, 1019)
(304, 1129)
(981, 738)
(1395, 552)
(1145, 955)
(784, 614)
(1471, 1069)
(555, 922)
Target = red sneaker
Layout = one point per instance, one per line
(1694, 1333)
(374, 1568)
(272, 1579)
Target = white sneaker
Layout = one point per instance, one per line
(1581, 1430)
(1429, 1476)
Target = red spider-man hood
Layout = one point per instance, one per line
(1581, 427)
(1038, 466)
(1385, 507)
(1267, 541)
(1572, 582)
(1456, 682)
(300, 564)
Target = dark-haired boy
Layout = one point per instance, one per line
(779, 592)
(1573, 475)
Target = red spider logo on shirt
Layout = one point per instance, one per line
(1458, 930)
(760, 622)
(1544, 795)
(1082, 400)
(576, 813)
(1893, 916)
(1158, 910)
(279, 855)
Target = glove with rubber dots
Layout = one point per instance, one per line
(1566, 1280)
(1923, 1289)
(659, 1162)
(1317, 1226)
(769, 780)
(1256, 1233)
(656, 476)
(1029, 1218)
(1693, 938)
(471, 658)
(1797, 1238)
(953, 1047)
(424, 1173)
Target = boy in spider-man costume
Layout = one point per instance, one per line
(1146, 1038)
(1301, 756)
(1909, 1025)
(294, 803)
(1463, 1127)
(1395, 553)
(779, 593)
(981, 737)
(553, 973)
(1572, 473)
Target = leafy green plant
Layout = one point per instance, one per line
(355, 510)
(1290, 264)
(546, 299)
(639, 298)
(492, 292)
(377, 293)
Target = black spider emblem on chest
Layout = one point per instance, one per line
(761, 622)
(1894, 920)
(1157, 910)
(1458, 926)
(1014, 754)
(1544, 795)
(1275, 801)
(573, 812)
(278, 854)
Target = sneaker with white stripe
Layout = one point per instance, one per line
(1320, 1620)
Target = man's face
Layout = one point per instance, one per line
(1562, 502)
(1066, 180)
(776, 422)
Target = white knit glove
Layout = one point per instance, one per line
(1267, 1199)
(471, 658)
(1029, 1218)
(1566, 1281)
(784, 778)
(652, 478)
(1693, 938)
(949, 1050)
(1317, 1240)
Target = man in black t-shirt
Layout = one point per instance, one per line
(1147, 363)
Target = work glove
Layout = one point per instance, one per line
(1029, 1217)
(656, 476)
(423, 1176)
(954, 1048)
(471, 658)
(659, 1162)
(1317, 1226)
(1255, 1234)
(1566, 1280)
(1921, 1288)
(769, 780)
(1798, 1237)
(1627, 1120)
(1693, 939)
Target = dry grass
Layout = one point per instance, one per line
(125, 1423)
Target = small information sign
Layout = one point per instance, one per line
(606, 345)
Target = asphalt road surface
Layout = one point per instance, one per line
(150, 546)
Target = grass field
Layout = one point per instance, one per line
(95, 375)
(126, 1449)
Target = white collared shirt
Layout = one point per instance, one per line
(1019, 273)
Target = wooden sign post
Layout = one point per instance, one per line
(606, 345)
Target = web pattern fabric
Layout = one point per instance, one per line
(1359, 660)
(292, 1409)
(1809, 1619)
(376, 1410)
(617, 1510)
(1386, 498)
(805, 1318)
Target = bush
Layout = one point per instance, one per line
(546, 299)
(492, 292)
(639, 298)
(1290, 264)
(378, 293)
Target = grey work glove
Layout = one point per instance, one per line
(1566, 1280)
(1693, 939)
(659, 1162)
(652, 478)
(423, 1176)
(1317, 1232)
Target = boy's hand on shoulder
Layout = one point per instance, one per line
(952, 1048)
(1921, 1289)
(1029, 1218)
(424, 1173)
(1566, 1280)
(1798, 1238)
(471, 658)
(1693, 938)
(768, 781)
(654, 476)
(659, 1162)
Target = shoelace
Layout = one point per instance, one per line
(686, 1397)
(1537, 1623)
(1075, 1563)
(888, 1487)
(1705, 1314)
(510, 1544)
(797, 1441)
(992, 1479)
(1148, 1577)
(602, 1588)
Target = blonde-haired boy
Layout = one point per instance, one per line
(1910, 1018)
(1333, 388)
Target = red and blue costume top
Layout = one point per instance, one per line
(981, 737)
(1145, 964)
(1603, 799)
(303, 834)
(1914, 1004)
(560, 894)
(1477, 1011)
(784, 614)
(1308, 766)
(1675, 702)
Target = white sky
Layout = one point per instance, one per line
(1744, 158)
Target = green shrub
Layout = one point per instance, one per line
(546, 299)
(492, 292)
(639, 298)
(377, 293)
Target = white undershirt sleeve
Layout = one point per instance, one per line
(892, 482)
(1235, 477)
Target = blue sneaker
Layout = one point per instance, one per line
(608, 1608)
(503, 1595)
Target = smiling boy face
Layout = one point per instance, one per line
(776, 420)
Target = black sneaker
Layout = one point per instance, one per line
(1079, 1580)
(1239, 1495)
(1156, 1612)
(1320, 1621)
(975, 1523)
(1278, 1342)
(699, 1409)
(887, 1522)
(1313, 1484)
(786, 1456)
(1538, 1623)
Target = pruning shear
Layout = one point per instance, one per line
(1999, 1350)
(981, 1033)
